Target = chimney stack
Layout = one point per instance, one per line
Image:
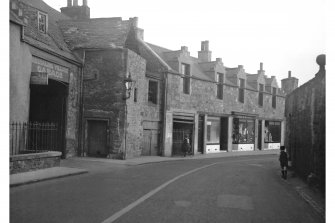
(261, 71)
(289, 84)
(76, 12)
(205, 55)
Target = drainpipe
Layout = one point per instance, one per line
(81, 110)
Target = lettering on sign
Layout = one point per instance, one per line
(39, 78)
(54, 71)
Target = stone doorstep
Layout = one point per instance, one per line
(34, 156)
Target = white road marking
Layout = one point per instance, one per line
(123, 211)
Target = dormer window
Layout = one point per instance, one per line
(42, 22)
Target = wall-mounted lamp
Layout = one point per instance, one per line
(129, 86)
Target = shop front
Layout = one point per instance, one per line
(217, 134)
(272, 135)
(243, 133)
(183, 126)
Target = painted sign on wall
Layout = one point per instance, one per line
(39, 78)
(53, 70)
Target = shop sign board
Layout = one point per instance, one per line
(54, 71)
(39, 78)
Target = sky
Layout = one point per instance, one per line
(284, 35)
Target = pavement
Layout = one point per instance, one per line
(81, 165)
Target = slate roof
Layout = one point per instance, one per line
(196, 68)
(95, 33)
(53, 39)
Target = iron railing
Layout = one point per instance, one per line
(33, 137)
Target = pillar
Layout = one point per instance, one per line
(256, 135)
(230, 132)
(195, 134)
(168, 134)
(262, 134)
(205, 134)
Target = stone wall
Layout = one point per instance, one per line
(203, 99)
(104, 92)
(136, 66)
(35, 161)
(305, 128)
(104, 72)
(20, 67)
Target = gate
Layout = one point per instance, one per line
(178, 139)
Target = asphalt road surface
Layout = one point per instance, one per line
(232, 189)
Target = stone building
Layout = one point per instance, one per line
(122, 97)
(221, 108)
(45, 77)
(305, 113)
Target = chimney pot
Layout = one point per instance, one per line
(69, 3)
(75, 2)
(261, 66)
(205, 45)
(240, 66)
(84, 2)
(289, 74)
(218, 59)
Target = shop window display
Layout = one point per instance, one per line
(272, 132)
(213, 131)
(243, 131)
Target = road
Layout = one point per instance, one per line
(230, 189)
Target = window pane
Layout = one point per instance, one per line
(219, 92)
(243, 131)
(213, 131)
(186, 85)
(272, 132)
(241, 95)
(153, 90)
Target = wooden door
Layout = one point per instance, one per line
(97, 137)
(150, 142)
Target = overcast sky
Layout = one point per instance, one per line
(284, 35)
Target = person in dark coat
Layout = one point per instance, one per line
(283, 159)
(186, 145)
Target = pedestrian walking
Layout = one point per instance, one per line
(186, 145)
(283, 159)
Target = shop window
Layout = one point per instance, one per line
(185, 70)
(153, 91)
(272, 132)
(42, 22)
(274, 97)
(260, 94)
(219, 79)
(241, 90)
(213, 131)
(243, 131)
